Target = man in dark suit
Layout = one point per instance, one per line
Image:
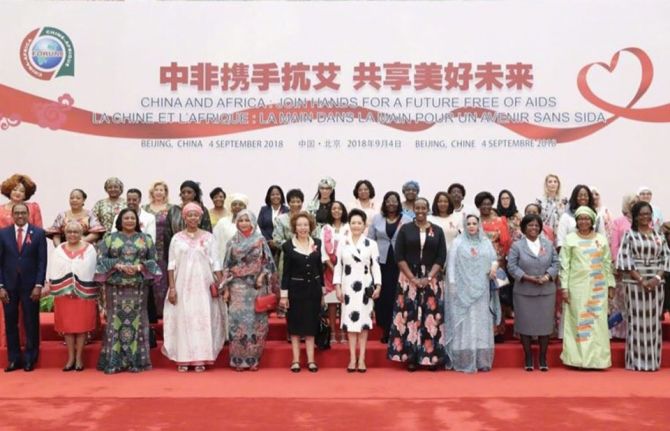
(23, 264)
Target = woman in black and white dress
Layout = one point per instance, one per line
(643, 258)
(357, 280)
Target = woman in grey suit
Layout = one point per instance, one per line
(384, 230)
(533, 262)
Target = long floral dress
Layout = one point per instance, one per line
(417, 329)
(194, 328)
(160, 287)
(125, 343)
(247, 258)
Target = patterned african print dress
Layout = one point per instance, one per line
(247, 258)
(647, 254)
(586, 273)
(105, 211)
(88, 222)
(125, 343)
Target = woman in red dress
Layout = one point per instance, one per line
(72, 268)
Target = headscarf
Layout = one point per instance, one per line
(249, 255)
(584, 210)
(252, 219)
(191, 206)
(509, 211)
(411, 184)
(470, 260)
(327, 182)
(643, 189)
(235, 197)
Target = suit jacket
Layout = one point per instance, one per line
(377, 232)
(265, 222)
(522, 261)
(31, 262)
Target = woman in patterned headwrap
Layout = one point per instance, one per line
(586, 277)
(248, 271)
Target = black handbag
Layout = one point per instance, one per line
(322, 339)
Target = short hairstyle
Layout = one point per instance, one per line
(193, 186)
(573, 205)
(481, 197)
(10, 183)
(269, 192)
(136, 191)
(114, 180)
(119, 220)
(345, 214)
(457, 186)
(367, 183)
(83, 193)
(421, 198)
(529, 218)
(539, 208)
(215, 191)
(295, 193)
(73, 223)
(360, 213)
(434, 208)
(384, 210)
(635, 212)
(156, 184)
(21, 205)
(303, 214)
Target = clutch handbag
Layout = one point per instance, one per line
(266, 303)
(214, 290)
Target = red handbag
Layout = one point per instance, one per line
(265, 303)
(214, 290)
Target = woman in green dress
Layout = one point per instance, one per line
(126, 258)
(586, 277)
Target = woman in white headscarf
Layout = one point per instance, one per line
(225, 228)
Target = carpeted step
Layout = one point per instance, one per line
(277, 354)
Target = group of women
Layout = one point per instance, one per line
(438, 277)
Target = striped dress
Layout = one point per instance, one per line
(647, 254)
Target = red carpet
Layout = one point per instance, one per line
(386, 397)
(334, 400)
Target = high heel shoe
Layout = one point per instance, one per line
(68, 368)
(529, 365)
(79, 368)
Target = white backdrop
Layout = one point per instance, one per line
(119, 49)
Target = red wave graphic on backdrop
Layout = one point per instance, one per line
(62, 115)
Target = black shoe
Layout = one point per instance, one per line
(411, 368)
(543, 366)
(13, 366)
(312, 367)
(79, 368)
(529, 364)
(29, 367)
(68, 368)
(384, 340)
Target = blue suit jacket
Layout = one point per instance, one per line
(31, 262)
(265, 220)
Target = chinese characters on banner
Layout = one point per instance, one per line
(395, 76)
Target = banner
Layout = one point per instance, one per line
(243, 95)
